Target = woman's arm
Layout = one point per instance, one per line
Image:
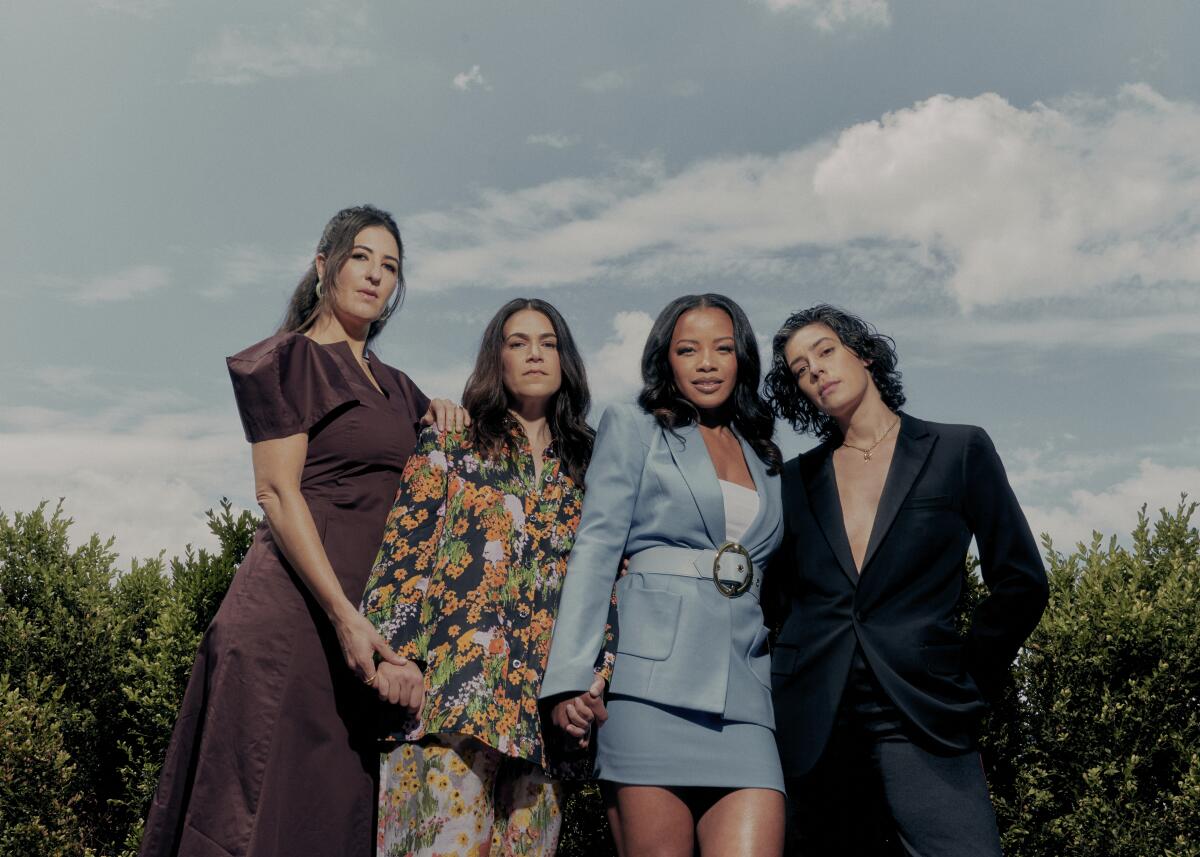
(613, 478)
(278, 465)
(395, 599)
(1009, 562)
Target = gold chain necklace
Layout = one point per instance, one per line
(867, 452)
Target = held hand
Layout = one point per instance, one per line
(624, 567)
(576, 715)
(401, 685)
(361, 643)
(446, 414)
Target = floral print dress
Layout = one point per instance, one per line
(467, 584)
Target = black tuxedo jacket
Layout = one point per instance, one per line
(945, 484)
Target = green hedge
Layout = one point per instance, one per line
(1094, 750)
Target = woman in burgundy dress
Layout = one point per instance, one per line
(272, 751)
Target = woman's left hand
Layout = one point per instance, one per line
(446, 414)
(361, 644)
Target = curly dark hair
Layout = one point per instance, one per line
(660, 397)
(336, 245)
(486, 399)
(782, 391)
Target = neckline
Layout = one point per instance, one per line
(724, 482)
(365, 375)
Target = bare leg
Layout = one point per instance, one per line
(613, 813)
(654, 822)
(747, 822)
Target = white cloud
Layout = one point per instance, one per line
(829, 15)
(328, 38)
(607, 81)
(137, 8)
(65, 379)
(1048, 201)
(554, 141)
(989, 203)
(1172, 324)
(249, 265)
(445, 381)
(685, 88)
(615, 371)
(1113, 510)
(119, 286)
(143, 476)
(471, 79)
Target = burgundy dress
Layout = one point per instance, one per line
(272, 753)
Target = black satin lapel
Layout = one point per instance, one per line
(692, 459)
(827, 507)
(912, 449)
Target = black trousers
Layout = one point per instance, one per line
(876, 792)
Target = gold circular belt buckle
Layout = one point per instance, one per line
(733, 591)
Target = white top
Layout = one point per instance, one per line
(741, 507)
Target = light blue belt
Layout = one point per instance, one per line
(729, 567)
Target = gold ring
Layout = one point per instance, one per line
(371, 680)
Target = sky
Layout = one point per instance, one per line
(1010, 190)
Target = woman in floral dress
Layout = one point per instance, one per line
(466, 587)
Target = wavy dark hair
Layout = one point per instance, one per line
(661, 397)
(867, 343)
(336, 244)
(486, 399)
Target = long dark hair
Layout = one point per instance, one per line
(662, 398)
(487, 401)
(336, 244)
(867, 343)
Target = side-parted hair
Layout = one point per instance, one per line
(336, 245)
(660, 396)
(487, 401)
(867, 343)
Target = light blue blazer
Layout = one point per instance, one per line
(680, 642)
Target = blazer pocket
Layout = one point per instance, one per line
(784, 659)
(759, 657)
(648, 620)
(940, 501)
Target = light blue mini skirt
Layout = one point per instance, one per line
(657, 745)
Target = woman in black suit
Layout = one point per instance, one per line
(869, 669)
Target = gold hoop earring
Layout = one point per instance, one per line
(317, 288)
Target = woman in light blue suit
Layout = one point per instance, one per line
(686, 486)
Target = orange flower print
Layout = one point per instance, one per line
(467, 581)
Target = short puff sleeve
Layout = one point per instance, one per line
(285, 385)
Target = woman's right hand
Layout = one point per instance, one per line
(361, 643)
(401, 685)
(575, 715)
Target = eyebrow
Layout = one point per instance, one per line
(800, 357)
(524, 335)
(697, 341)
(372, 250)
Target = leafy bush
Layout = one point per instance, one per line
(1093, 751)
(36, 780)
(93, 665)
(1101, 735)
